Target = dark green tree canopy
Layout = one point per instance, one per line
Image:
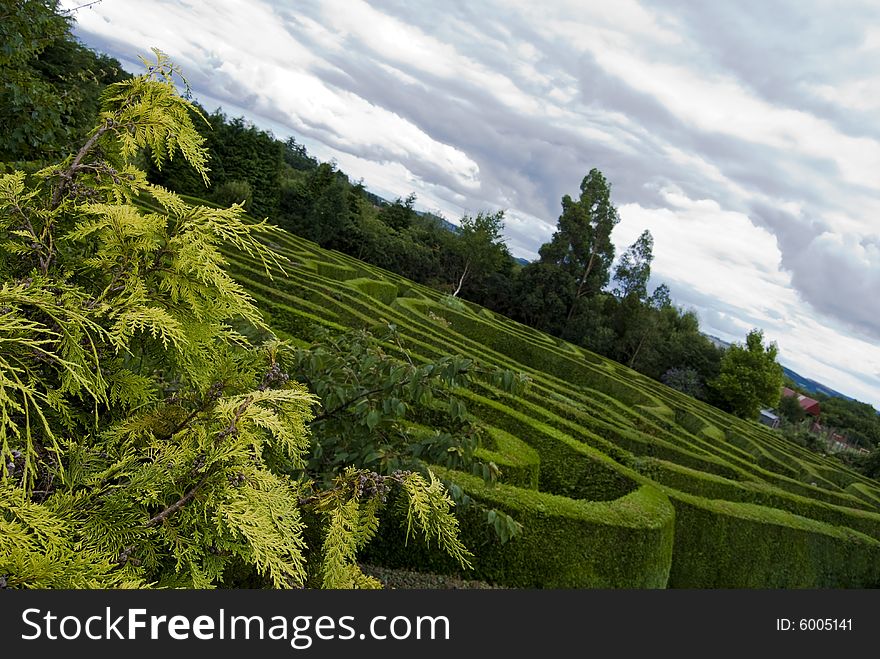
(582, 245)
(791, 409)
(49, 82)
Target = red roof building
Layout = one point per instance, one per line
(809, 405)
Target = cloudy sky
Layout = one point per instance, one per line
(745, 136)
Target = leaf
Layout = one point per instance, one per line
(373, 418)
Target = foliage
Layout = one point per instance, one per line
(375, 401)
(316, 204)
(234, 192)
(685, 380)
(581, 245)
(544, 293)
(400, 214)
(859, 421)
(480, 246)
(147, 440)
(47, 77)
(634, 268)
(791, 409)
(370, 392)
(561, 542)
(750, 377)
(240, 153)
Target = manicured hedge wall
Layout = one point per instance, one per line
(520, 464)
(723, 544)
(383, 291)
(566, 543)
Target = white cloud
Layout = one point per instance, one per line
(721, 255)
(265, 61)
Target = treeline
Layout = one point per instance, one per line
(574, 290)
(571, 291)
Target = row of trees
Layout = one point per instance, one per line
(574, 290)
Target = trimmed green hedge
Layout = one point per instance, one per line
(603, 466)
(336, 272)
(383, 291)
(565, 543)
(709, 486)
(568, 467)
(520, 464)
(724, 544)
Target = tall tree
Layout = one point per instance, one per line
(750, 377)
(634, 268)
(582, 243)
(480, 246)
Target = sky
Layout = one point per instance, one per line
(745, 136)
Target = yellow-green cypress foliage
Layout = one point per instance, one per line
(144, 439)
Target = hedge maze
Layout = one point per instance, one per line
(617, 480)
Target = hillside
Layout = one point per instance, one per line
(618, 480)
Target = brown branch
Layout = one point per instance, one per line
(177, 505)
(67, 176)
(210, 398)
(232, 428)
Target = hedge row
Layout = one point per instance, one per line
(565, 543)
(604, 467)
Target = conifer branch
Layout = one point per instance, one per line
(177, 505)
(211, 397)
(68, 175)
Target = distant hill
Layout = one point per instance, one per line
(805, 384)
(441, 221)
(811, 386)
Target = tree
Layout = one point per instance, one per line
(400, 214)
(480, 246)
(543, 294)
(685, 380)
(636, 320)
(49, 82)
(750, 377)
(233, 192)
(634, 269)
(791, 409)
(581, 245)
(146, 440)
(315, 204)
